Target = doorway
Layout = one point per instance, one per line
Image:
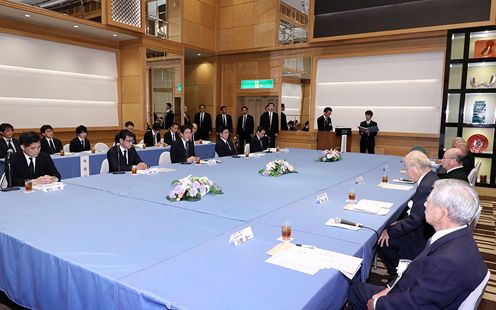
(256, 105)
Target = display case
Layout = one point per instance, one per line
(469, 97)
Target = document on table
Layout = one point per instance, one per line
(310, 261)
(395, 186)
(370, 206)
(160, 169)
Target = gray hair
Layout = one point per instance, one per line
(458, 197)
(418, 159)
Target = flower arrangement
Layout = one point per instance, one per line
(192, 189)
(277, 168)
(330, 155)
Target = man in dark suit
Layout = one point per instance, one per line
(204, 122)
(49, 144)
(8, 141)
(172, 135)
(367, 137)
(259, 141)
(123, 157)
(284, 121)
(187, 119)
(269, 120)
(194, 129)
(245, 128)
(80, 143)
(223, 120)
(447, 270)
(224, 146)
(183, 150)
(407, 237)
(468, 158)
(129, 126)
(168, 116)
(29, 163)
(324, 122)
(452, 163)
(152, 137)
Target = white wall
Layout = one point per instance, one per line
(43, 82)
(292, 98)
(404, 91)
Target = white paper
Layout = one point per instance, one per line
(85, 165)
(165, 170)
(332, 222)
(375, 203)
(403, 181)
(367, 209)
(395, 186)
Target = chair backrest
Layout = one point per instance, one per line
(3, 181)
(476, 218)
(473, 300)
(142, 141)
(247, 148)
(478, 165)
(101, 147)
(67, 148)
(164, 159)
(472, 177)
(216, 155)
(104, 167)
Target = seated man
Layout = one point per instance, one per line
(468, 159)
(49, 144)
(80, 143)
(224, 146)
(194, 129)
(447, 270)
(8, 141)
(172, 135)
(129, 126)
(183, 149)
(406, 238)
(452, 163)
(258, 142)
(123, 157)
(31, 163)
(152, 137)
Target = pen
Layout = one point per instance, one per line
(306, 246)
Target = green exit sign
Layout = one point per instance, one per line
(179, 87)
(257, 84)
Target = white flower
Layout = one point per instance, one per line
(402, 266)
(290, 168)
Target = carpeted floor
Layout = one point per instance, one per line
(484, 234)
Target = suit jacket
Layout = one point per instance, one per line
(205, 127)
(265, 123)
(76, 146)
(219, 124)
(20, 168)
(168, 119)
(117, 161)
(225, 149)
(45, 147)
(249, 126)
(414, 224)
(255, 144)
(284, 122)
(3, 147)
(322, 125)
(187, 119)
(148, 138)
(468, 162)
(168, 137)
(458, 173)
(365, 137)
(178, 153)
(441, 277)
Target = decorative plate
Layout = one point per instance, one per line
(478, 143)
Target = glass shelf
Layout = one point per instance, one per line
(487, 132)
(455, 76)
(482, 44)
(481, 75)
(449, 136)
(457, 45)
(479, 109)
(453, 108)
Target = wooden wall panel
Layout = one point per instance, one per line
(199, 24)
(133, 86)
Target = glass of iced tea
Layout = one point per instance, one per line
(351, 195)
(28, 185)
(286, 231)
(93, 150)
(197, 160)
(384, 178)
(134, 169)
(62, 153)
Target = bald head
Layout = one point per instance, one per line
(452, 158)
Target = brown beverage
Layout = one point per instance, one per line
(351, 196)
(93, 150)
(197, 160)
(144, 146)
(286, 232)
(384, 179)
(134, 169)
(62, 153)
(28, 185)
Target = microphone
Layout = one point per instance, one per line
(118, 163)
(236, 146)
(9, 188)
(268, 144)
(9, 154)
(338, 220)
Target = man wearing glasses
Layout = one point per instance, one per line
(123, 157)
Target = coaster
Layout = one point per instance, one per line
(280, 239)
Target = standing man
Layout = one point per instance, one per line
(8, 141)
(224, 146)
(187, 119)
(183, 150)
(407, 237)
(244, 129)
(324, 122)
(168, 116)
(152, 137)
(80, 143)
(123, 157)
(368, 130)
(284, 121)
(223, 120)
(171, 136)
(49, 144)
(204, 122)
(29, 163)
(270, 121)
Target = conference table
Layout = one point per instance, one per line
(115, 242)
(69, 166)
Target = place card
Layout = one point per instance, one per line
(55, 186)
(241, 236)
(322, 198)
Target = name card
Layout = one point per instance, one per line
(359, 180)
(241, 236)
(55, 186)
(148, 171)
(85, 165)
(322, 198)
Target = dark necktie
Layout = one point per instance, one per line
(270, 120)
(52, 146)
(224, 120)
(227, 142)
(9, 145)
(261, 144)
(31, 167)
(82, 143)
(201, 119)
(173, 137)
(125, 156)
(186, 148)
(244, 122)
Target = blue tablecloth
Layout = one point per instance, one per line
(115, 242)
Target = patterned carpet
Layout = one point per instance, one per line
(484, 234)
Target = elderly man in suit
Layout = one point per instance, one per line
(448, 269)
(407, 237)
(7, 141)
(183, 150)
(468, 158)
(452, 163)
(123, 157)
(30, 163)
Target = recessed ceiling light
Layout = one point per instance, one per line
(198, 54)
(114, 35)
(27, 15)
(75, 26)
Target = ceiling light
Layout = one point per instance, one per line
(114, 35)
(27, 15)
(198, 54)
(75, 26)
